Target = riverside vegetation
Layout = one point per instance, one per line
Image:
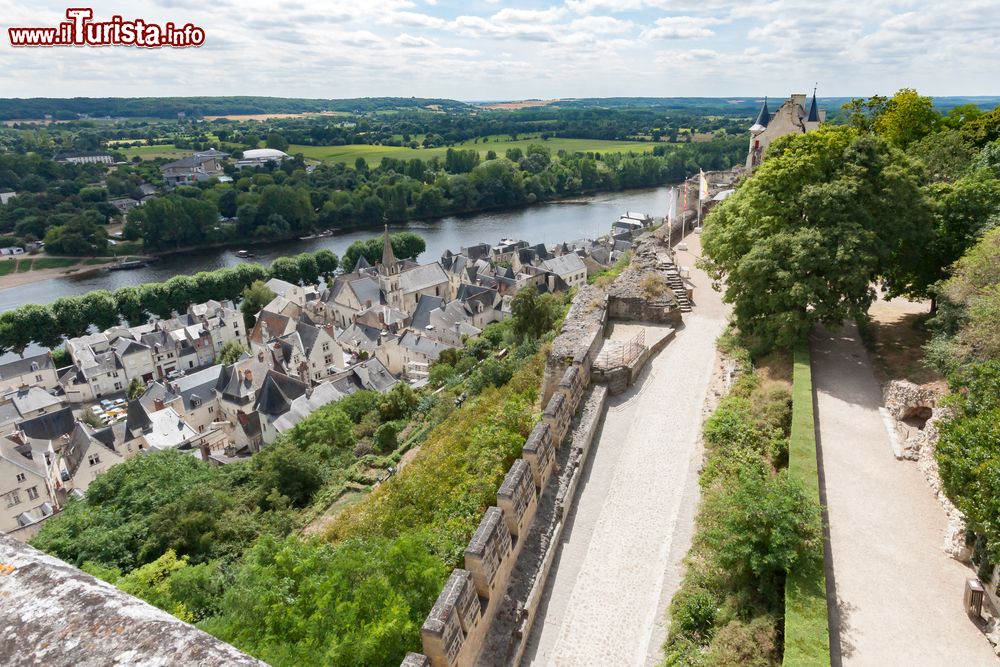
(72, 316)
(224, 547)
(521, 162)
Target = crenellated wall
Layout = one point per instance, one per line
(454, 631)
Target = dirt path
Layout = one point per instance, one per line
(620, 560)
(898, 597)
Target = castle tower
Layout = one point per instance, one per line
(790, 118)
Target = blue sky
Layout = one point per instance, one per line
(483, 50)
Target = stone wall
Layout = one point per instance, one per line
(579, 340)
(454, 632)
(641, 292)
(915, 414)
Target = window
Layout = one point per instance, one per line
(13, 499)
(211, 409)
(38, 378)
(201, 428)
(20, 477)
(326, 347)
(33, 493)
(118, 386)
(93, 459)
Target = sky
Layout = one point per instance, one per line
(499, 50)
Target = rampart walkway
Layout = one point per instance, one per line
(898, 596)
(631, 526)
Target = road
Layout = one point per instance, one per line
(622, 551)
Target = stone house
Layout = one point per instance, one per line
(410, 354)
(34, 371)
(565, 272)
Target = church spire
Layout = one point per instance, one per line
(763, 118)
(813, 109)
(388, 259)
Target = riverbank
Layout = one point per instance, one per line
(17, 276)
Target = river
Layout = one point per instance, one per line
(552, 222)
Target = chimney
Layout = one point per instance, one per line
(260, 356)
(158, 404)
(248, 376)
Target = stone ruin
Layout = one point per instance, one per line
(915, 413)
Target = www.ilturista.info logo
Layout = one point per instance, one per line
(82, 30)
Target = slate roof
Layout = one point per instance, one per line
(564, 264)
(427, 347)
(137, 420)
(199, 386)
(32, 399)
(277, 393)
(370, 374)
(422, 277)
(49, 426)
(422, 314)
(366, 291)
(21, 366)
(305, 405)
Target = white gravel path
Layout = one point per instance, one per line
(898, 597)
(621, 556)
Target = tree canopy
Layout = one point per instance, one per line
(804, 239)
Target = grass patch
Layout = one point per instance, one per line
(7, 266)
(54, 263)
(24, 265)
(807, 636)
(168, 151)
(374, 154)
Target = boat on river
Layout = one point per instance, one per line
(245, 254)
(318, 235)
(127, 265)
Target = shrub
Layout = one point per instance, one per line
(692, 614)
(745, 644)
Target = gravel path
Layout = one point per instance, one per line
(620, 560)
(898, 596)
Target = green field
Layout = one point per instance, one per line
(7, 266)
(54, 263)
(374, 154)
(153, 152)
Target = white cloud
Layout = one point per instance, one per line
(601, 25)
(680, 27)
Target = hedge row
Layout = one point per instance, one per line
(807, 635)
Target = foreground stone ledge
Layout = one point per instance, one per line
(58, 616)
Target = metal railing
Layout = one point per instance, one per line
(621, 353)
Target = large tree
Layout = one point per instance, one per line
(804, 239)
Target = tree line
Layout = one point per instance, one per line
(72, 316)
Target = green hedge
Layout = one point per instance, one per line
(807, 635)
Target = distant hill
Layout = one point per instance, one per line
(194, 107)
(169, 107)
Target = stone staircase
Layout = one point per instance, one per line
(676, 284)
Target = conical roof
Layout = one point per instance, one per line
(361, 264)
(813, 110)
(388, 258)
(763, 118)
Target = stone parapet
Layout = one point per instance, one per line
(517, 498)
(538, 452)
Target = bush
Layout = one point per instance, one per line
(746, 644)
(692, 614)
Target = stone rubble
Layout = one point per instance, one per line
(902, 400)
